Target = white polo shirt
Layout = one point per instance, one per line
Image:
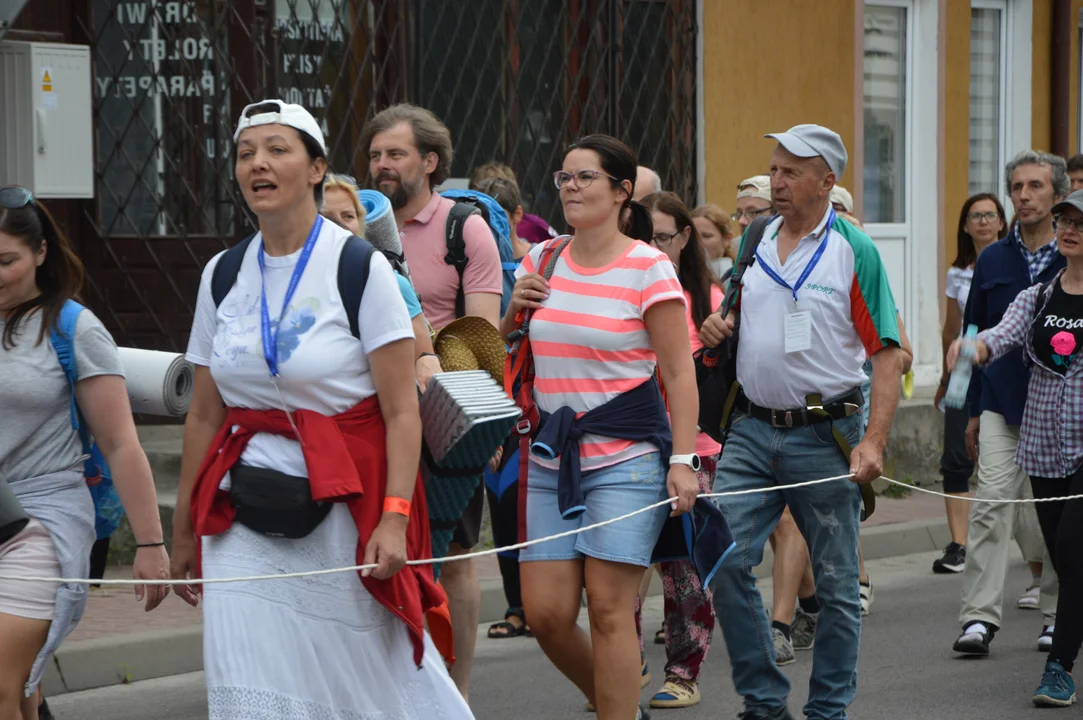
(852, 316)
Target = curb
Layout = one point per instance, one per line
(89, 664)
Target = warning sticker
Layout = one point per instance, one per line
(47, 79)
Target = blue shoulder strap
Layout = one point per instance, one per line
(62, 338)
(353, 275)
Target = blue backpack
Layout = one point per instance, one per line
(472, 202)
(108, 511)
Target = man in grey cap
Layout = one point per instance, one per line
(814, 303)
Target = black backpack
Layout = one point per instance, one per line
(353, 274)
(716, 368)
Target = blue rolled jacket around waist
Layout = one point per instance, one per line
(638, 415)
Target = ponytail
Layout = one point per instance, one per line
(636, 222)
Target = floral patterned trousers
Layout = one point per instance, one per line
(689, 608)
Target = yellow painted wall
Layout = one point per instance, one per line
(769, 65)
(956, 120)
(1041, 75)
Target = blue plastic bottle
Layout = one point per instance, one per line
(955, 397)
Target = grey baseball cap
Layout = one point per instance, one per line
(1075, 200)
(811, 140)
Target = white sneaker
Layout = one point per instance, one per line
(1045, 640)
(1030, 599)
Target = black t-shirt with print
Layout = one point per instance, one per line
(1058, 331)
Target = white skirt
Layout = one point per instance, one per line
(315, 648)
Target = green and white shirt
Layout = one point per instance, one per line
(852, 316)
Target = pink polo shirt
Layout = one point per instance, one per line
(424, 240)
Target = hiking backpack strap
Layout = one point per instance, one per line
(456, 247)
(753, 236)
(520, 366)
(62, 338)
(353, 275)
(225, 272)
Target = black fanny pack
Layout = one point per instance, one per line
(12, 516)
(274, 503)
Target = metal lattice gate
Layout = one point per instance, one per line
(514, 80)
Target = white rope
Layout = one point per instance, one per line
(518, 546)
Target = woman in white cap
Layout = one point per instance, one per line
(288, 466)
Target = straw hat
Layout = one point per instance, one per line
(471, 343)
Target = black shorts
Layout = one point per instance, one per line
(468, 529)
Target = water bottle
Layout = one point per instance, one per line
(959, 383)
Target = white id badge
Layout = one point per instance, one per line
(798, 331)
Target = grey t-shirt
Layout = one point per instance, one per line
(36, 436)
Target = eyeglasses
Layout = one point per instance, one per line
(1064, 223)
(583, 178)
(989, 217)
(750, 214)
(663, 240)
(15, 197)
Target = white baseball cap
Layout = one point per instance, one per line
(757, 186)
(809, 140)
(842, 196)
(294, 116)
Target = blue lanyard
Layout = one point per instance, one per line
(270, 334)
(826, 234)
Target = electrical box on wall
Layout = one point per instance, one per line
(46, 129)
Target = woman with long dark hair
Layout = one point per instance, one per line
(610, 316)
(41, 455)
(289, 463)
(689, 609)
(981, 223)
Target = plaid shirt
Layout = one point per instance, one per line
(1051, 436)
(1038, 260)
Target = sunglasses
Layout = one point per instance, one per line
(15, 197)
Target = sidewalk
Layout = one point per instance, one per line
(117, 642)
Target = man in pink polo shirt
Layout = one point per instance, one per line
(409, 152)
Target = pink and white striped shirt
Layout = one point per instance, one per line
(589, 340)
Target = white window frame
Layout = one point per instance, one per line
(1020, 66)
(1004, 112)
(920, 309)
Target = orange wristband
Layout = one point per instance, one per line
(397, 505)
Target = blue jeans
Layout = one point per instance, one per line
(759, 456)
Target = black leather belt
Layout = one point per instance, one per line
(837, 409)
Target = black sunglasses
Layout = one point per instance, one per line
(15, 197)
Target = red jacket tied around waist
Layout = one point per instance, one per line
(339, 451)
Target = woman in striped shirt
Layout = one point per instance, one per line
(611, 314)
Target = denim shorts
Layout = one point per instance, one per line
(609, 492)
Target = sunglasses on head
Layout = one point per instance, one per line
(15, 197)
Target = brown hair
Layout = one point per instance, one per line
(59, 277)
(692, 267)
(489, 171)
(504, 191)
(430, 135)
(720, 219)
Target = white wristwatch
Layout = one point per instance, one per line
(691, 460)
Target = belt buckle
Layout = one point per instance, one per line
(788, 424)
(523, 427)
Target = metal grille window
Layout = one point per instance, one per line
(886, 85)
(514, 80)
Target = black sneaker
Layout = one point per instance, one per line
(43, 711)
(953, 561)
(783, 714)
(975, 640)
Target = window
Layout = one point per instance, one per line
(886, 86)
(987, 96)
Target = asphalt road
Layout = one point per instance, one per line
(906, 671)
